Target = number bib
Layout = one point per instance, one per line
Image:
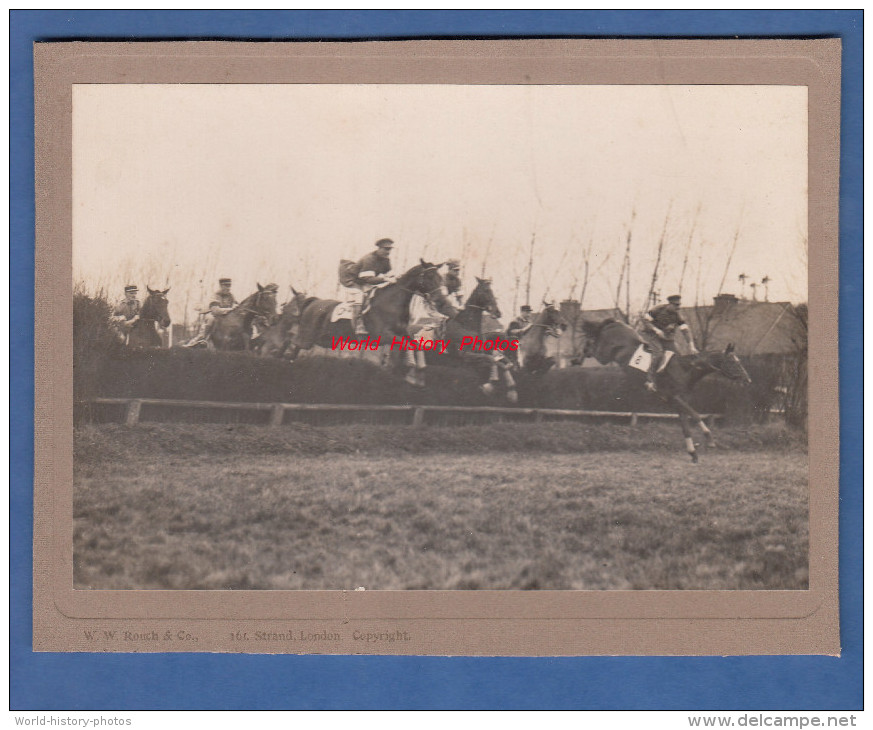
(641, 359)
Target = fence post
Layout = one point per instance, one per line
(132, 416)
(418, 417)
(634, 419)
(277, 414)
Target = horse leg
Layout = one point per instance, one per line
(694, 415)
(411, 373)
(509, 381)
(420, 365)
(493, 379)
(686, 430)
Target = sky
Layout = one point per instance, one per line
(177, 185)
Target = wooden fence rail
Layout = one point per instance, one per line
(135, 410)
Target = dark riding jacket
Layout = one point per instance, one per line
(667, 319)
(516, 326)
(375, 263)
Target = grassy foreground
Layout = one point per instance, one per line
(576, 507)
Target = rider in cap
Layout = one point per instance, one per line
(659, 327)
(454, 285)
(126, 313)
(223, 302)
(522, 324)
(373, 269)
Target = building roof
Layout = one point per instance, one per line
(755, 328)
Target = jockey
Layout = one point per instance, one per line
(373, 269)
(517, 329)
(222, 303)
(126, 312)
(659, 327)
(520, 326)
(425, 319)
(453, 282)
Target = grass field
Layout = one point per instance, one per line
(565, 506)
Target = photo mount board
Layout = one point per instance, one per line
(482, 623)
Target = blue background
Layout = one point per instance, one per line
(214, 681)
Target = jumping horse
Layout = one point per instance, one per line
(611, 341)
(468, 323)
(532, 357)
(386, 314)
(153, 312)
(233, 331)
(275, 339)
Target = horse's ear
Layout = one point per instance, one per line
(480, 280)
(294, 291)
(422, 263)
(165, 291)
(260, 288)
(149, 289)
(729, 349)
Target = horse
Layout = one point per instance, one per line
(233, 331)
(386, 313)
(275, 340)
(613, 341)
(468, 323)
(153, 311)
(532, 357)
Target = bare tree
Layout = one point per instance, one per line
(688, 248)
(651, 297)
(624, 273)
(529, 269)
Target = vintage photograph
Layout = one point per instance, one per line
(440, 337)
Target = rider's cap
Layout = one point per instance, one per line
(674, 299)
(526, 308)
(453, 264)
(385, 243)
(224, 281)
(130, 287)
(272, 287)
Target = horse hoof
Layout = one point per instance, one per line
(694, 458)
(512, 396)
(487, 389)
(412, 380)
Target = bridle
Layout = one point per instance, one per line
(148, 306)
(426, 294)
(731, 358)
(257, 311)
(552, 327)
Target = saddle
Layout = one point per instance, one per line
(369, 294)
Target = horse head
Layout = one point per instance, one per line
(155, 307)
(483, 297)
(263, 302)
(552, 319)
(728, 364)
(426, 280)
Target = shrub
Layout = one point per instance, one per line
(95, 344)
